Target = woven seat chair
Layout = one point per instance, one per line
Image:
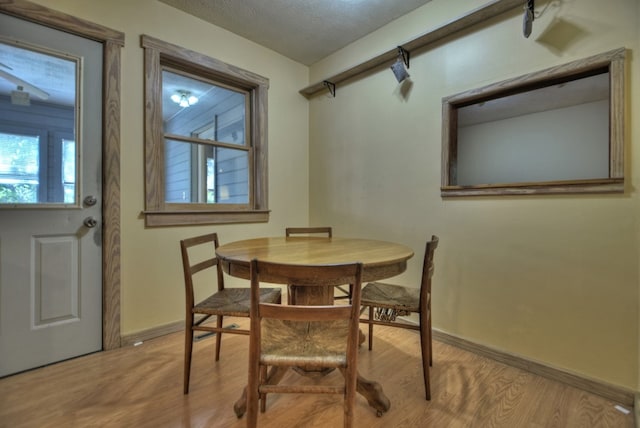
(199, 257)
(324, 230)
(386, 302)
(313, 337)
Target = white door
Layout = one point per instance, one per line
(50, 195)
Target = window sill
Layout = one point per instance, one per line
(192, 218)
(609, 185)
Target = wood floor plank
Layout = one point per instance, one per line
(141, 386)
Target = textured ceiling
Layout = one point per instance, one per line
(303, 30)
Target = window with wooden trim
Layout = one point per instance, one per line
(205, 139)
(559, 130)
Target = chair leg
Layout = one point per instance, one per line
(263, 396)
(188, 350)
(430, 339)
(425, 347)
(371, 311)
(350, 396)
(253, 396)
(219, 319)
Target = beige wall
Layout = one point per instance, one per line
(550, 278)
(554, 279)
(152, 284)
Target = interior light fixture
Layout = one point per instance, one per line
(20, 97)
(398, 67)
(184, 98)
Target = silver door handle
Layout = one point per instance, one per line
(90, 201)
(90, 222)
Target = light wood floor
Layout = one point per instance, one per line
(142, 387)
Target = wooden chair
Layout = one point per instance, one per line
(309, 230)
(325, 230)
(223, 302)
(313, 337)
(387, 301)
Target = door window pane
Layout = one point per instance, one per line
(19, 168)
(38, 152)
(69, 170)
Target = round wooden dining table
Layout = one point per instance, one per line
(380, 260)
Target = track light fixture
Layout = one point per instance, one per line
(402, 61)
(527, 21)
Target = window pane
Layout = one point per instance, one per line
(19, 168)
(190, 172)
(40, 106)
(201, 173)
(232, 176)
(178, 172)
(194, 108)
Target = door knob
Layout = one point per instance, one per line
(90, 200)
(90, 222)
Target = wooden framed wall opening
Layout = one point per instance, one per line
(558, 130)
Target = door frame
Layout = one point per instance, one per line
(112, 41)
